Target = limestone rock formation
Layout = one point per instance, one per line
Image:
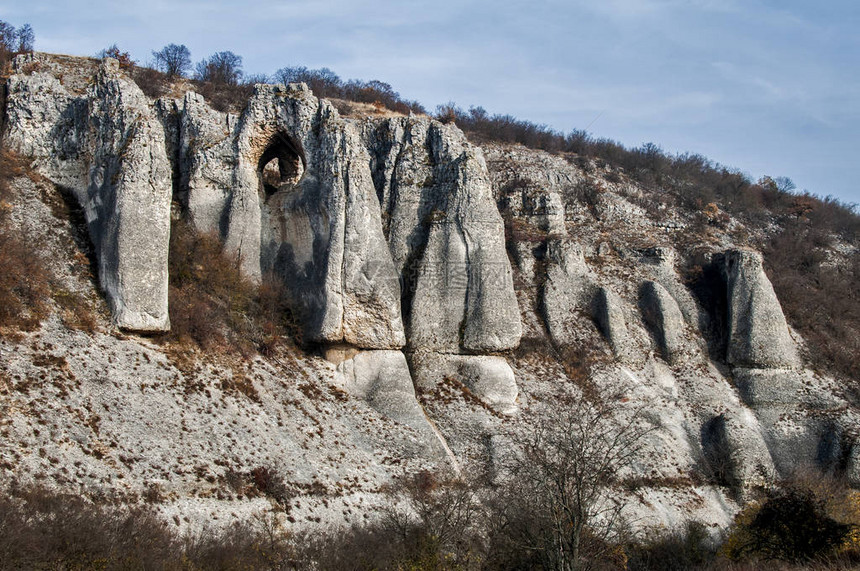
(446, 237)
(735, 450)
(317, 226)
(661, 312)
(568, 290)
(758, 335)
(608, 311)
(487, 377)
(382, 379)
(108, 147)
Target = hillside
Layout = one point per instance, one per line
(289, 305)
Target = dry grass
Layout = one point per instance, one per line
(821, 300)
(24, 278)
(213, 307)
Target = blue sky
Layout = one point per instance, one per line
(765, 86)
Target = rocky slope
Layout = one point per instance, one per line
(447, 294)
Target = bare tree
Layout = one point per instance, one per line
(174, 60)
(26, 38)
(435, 517)
(222, 67)
(556, 509)
(14, 40)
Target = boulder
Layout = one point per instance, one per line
(382, 379)
(489, 378)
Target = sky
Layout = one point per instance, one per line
(768, 87)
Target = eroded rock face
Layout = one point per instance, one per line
(108, 147)
(568, 290)
(662, 314)
(735, 450)
(446, 237)
(382, 379)
(758, 335)
(489, 378)
(318, 228)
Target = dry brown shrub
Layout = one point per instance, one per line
(152, 82)
(24, 278)
(215, 308)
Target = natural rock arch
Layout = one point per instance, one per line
(281, 164)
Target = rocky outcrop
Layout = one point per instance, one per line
(758, 335)
(314, 219)
(108, 147)
(387, 235)
(317, 226)
(446, 237)
(607, 309)
(663, 316)
(489, 378)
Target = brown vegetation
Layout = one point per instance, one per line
(214, 307)
(325, 83)
(25, 280)
(820, 299)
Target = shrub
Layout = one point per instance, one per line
(435, 520)
(24, 278)
(792, 523)
(557, 509)
(124, 58)
(40, 529)
(680, 550)
(821, 300)
(325, 83)
(225, 97)
(213, 306)
(152, 82)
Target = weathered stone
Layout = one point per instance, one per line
(382, 379)
(735, 450)
(663, 316)
(108, 147)
(758, 335)
(661, 265)
(568, 290)
(445, 235)
(488, 378)
(319, 229)
(608, 312)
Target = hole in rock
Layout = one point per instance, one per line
(281, 165)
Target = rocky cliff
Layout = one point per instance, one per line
(447, 293)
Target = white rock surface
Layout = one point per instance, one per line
(108, 147)
(758, 334)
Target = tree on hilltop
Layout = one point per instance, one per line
(174, 60)
(222, 67)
